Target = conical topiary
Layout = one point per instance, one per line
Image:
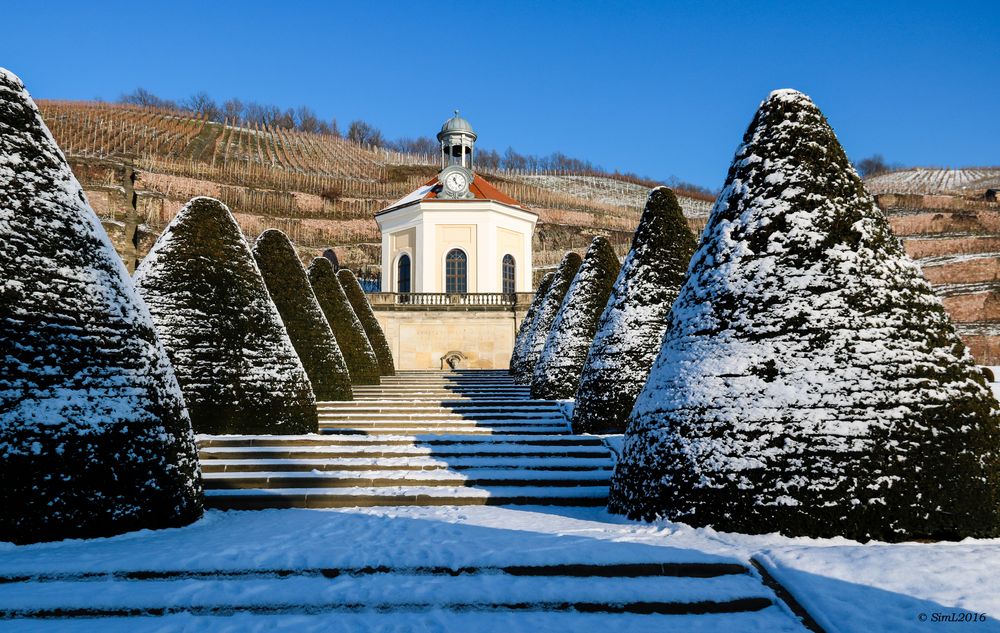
(331, 255)
(527, 323)
(94, 438)
(557, 372)
(305, 322)
(547, 311)
(358, 352)
(365, 314)
(233, 358)
(809, 382)
(631, 328)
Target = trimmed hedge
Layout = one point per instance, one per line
(631, 328)
(233, 357)
(351, 337)
(363, 310)
(528, 324)
(94, 437)
(307, 327)
(810, 382)
(557, 372)
(547, 310)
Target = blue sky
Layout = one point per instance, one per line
(658, 88)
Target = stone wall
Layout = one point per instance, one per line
(421, 336)
(956, 241)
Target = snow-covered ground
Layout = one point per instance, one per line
(847, 586)
(610, 191)
(934, 180)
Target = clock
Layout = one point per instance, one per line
(455, 181)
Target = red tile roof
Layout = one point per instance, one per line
(480, 188)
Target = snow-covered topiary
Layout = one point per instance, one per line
(547, 311)
(809, 381)
(631, 328)
(230, 350)
(557, 372)
(94, 438)
(365, 314)
(354, 344)
(307, 327)
(527, 323)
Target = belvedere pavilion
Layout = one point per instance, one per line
(456, 265)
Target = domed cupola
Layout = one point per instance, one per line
(457, 141)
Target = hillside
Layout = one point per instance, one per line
(139, 166)
(972, 181)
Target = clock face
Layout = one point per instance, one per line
(455, 181)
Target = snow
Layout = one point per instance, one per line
(397, 537)
(634, 319)
(557, 371)
(79, 359)
(422, 493)
(222, 331)
(609, 191)
(924, 180)
(841, 583)
(413, 196)
(807, 363)
(455, 462)
(771, 620)
(846, 586)
(549, 307)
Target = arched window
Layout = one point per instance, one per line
(456, 272)
(509, 275)
(403, 273)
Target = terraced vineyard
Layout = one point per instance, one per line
(322, 190)
(936, 181)
(139, 166)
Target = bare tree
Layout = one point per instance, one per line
(419, 145)
(872, 166)
(306, 120)
(233, 110)
(143, 97)
(364, 133)
(202, 104)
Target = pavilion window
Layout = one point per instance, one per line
(509, 275)
(456, 274)
(403, 274)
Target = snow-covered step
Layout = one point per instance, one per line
(301, 441)
(460, 463)
(423, 430)
(483, 380)
(411, 413)
(442, 426)
(443, 393)
(474, 386)
(445, 452)
(773, 619)
(372, 478)
(436, 423)
(367, 496)
(387, 591)
(449, 451)
(432, 397)
(447, 404)
(432, 416)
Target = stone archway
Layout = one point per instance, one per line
(453, 360)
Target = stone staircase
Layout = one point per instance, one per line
(419, 438)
